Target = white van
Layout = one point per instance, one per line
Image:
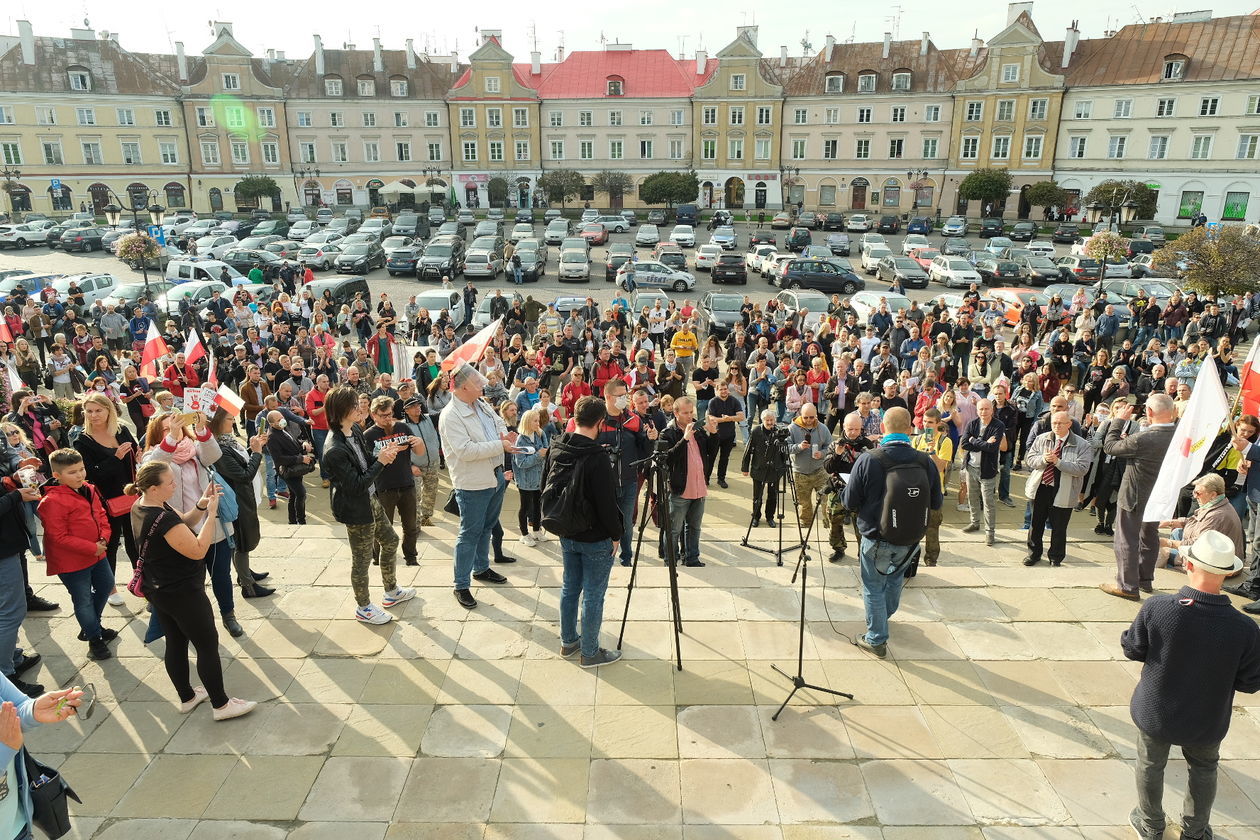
(199, 268)
(93, 286)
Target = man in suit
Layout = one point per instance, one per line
(981, 440)
(1057, 463)
(1137, 542)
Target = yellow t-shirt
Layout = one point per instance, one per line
(684, 343)
(940, 445)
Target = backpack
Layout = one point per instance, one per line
(566, 511)
(903, 518)
(229, 508)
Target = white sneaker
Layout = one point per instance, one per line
(116, 599)
(965, 508)
(393, 599)
(234, 708)
(542, 536)
(372, 614)
(529, 540)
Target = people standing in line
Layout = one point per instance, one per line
(686, 446)
(1137, 542)
(353, 471)
(981, 440)
(810, 443)
(238, 468)
(425, 468)
(110, 454)
(396, 485)
(1197, 651)
(1057, 463)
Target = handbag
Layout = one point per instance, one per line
(147, 409)
(136, 585)
(49, 794)
(119, 505)
(452, 504)
(298, 470)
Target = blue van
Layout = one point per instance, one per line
(686, 214)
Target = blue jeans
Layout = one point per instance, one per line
(686, 512)
(626, 496)
(89, 590)
(273, 482)
(1005, 459)
(12, 611)
(516, 275)
(1144, 334)
(881, 593)
(318, 436)
(478, 514)
(586, 569)
(702, 408)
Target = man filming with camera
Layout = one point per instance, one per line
(844, 454)
(765, 461)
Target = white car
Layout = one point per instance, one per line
(381, 227)
(953, 271)
(725, 238)
(93, 286)
(706, 256)
(483, 264)
(178, 222)
(871, 255)
(871, 238)
(648, 235)
(1040, 248)
(650, 274)
(753, 258)
(575, 265)
(302, 229)
(216, 246)
(295, 214)
(858, 223)
(684, 235)
(326, 237)
(867, 303)
(914, 240)
(23, 235)
(197, 292)
(771, 269)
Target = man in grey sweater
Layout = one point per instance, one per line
(811, 443)
(114, 327)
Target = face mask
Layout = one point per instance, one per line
(621, 402)
(100, 387)
(280, 424)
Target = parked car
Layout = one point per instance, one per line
(494, 214)
(1143, 265)
(1066, 233)
(618, 253)
(196, 292)
(730, 268)
(797, 239)
(867, 303)
(924, 256)
(954, 226)
(574, 265)
(521, 230)
(953, 271)
(302, 228)
(345, 225)
(650, 274)
(648, 235)
(1038, 271)
(998, 244)
(533, 256)
(216, 246)
(810, 220)
(344, 289)
(83, 239)
(955, 247)
(24, 235)
(360, 258)
(1075, 268)
(805, 306)
(724, 237)
(718, 313)
(454, 229)
(820, 275)
(125, 296)
(411, 224)
(402, 253)
(318, 257)
(324, 237)
(995, 270)
(706, 257)
(858, 223)
(483, 264)
(839, 244)
(1023, 231)
(913, 241)
(613, 224)
(487, 227)
(990, 227)
(94, 286)
(920, 224)
(782, 221)
(595, 233)
(656, 217)
(243, 259)
(1041, 248)
(684, 235)
(631, 218)
(757, 254)
(871, 255)
(1139, 246)
(686, 214)
(443, 257)
(889, 224)
(381, 227)
(465, 217)
(1154, 233)
(833, 221)
(904, 269)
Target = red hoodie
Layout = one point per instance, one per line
(72, 528)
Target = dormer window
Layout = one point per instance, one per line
(616, 86)
(1010, 73)
(231, 81)
(332, 86)
(901, 80)
(367, 87)
(80, 79)
(397, 87)
(492, 84)
(866, 82)
(738, 81)
(835, 83)
(1174, 68)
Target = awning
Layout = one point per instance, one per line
(395, 188)
(426, 191)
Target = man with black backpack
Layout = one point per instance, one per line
(579, 505)
(893, 489)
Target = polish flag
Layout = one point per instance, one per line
(473, 349)
(1249, 388)
(228, 400)
(1206, 411)
(5, 335)
(155, 349)
(194, 350)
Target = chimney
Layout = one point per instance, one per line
(535, 62)
(378, 63)
(27, 35)
(887, 44)
(702, 62)
(831, 45)
(749, 32)
(923, 44)
(1014, 10)
(222, 28)
(411, 55)
(181, 61)
(1070, 39)
(82, 35)
(319, 56)
(348, 47)
(976, 44)
(783, 57)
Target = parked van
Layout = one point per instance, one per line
(198, 268)
(686, 214)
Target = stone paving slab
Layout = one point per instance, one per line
(1000, 713)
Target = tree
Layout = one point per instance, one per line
(1112, 193)
(1047, 194)
(615, 184)
(986, 185)
(253, 187)
(670, 188)
(561, 185)
(1216, 264)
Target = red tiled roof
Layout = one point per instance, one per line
(584, 74)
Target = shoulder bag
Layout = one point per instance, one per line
(49, 794)
(136, 585)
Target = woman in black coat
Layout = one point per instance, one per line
(237, 467)
(291, 458)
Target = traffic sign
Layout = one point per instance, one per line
(1213, 229)
(55, 184)
(158, 233)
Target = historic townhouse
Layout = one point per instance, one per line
(867, 126)
(1175, 104)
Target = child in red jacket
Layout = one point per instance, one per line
(76, 534)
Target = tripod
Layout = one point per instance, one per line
(656, 488)
(785, 484)
(802, 568)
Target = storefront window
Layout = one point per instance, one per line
(1235, 206)
(827, 195)
(1191, 204)
(892, 195)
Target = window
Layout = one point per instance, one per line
(12, 153)
(975, 111)
(1164, 107)
(738, 81)
(1235, 206)
(1032, 147)
(866, 82)
(169, 152)
(522, 150)
(1083, 110)
(209, 153)
(80, 80)
(896, 148)
(496, 150)
(492, 84)
(332, 87)
(1076, 147)
(231, 81)
(645, 149)
(1173, 69)
(614, 118)
(1158, 149)
(555, 119)
(401, 119)
(520, 118)
(1208, 106)
(397, 87)
(470, 150)
(1201, 147)
(901, 81)
(1116, 146)
(737, 115)
(205, 117)
(435, 151)
(864, 114)
(827, 195)
(267, 118)
(798, 150)
(467, 118)
(1247, 146)
(898, 113)
(708, 150)
(708, 115)
(337, 119)
(339, 153)
(616, 149)
(494, 118)
(1010, 73)
(1038, 108)
(131, 153)
(970, 148)
(235, 117)
(52, 153)
(306, 151)
(800, 116)
(1006, 110)
(862, 149)
(126, 116)
(586, 149)
(584, 118)
(1123, 109)
(240, 152)
(45, 115)
(930, 146)
(616, 87)
(6, 115)
(403, 150)
(1253, 105)
(1191, 204)
(765, 116)
(761, 148)
(834, 83)
(1001, 148)
(832, 116)
(86, 116)
(735, 149)
(304, 119)
(92, 153)
(271, 152)
(676, 149)
(557, 150)
(432, 119)
(369, 119)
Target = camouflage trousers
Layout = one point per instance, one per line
(426, 491)
(841, 519)
(363, 542)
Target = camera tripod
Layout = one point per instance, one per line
(656, 490)
(784, 485)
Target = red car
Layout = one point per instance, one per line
(924, 256)
(595, 233)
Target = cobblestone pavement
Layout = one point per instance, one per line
(1001, 713)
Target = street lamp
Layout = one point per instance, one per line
(915, 178)
(305, 172)
(1124, 208)
(11, 175)
(113, 215)
(788, 175)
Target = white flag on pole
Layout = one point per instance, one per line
(1201, 422)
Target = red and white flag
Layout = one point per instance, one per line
(194, 350)
(1206, 410)
(1249, 386)
(228, 400)
(154, 350)
(5, 335)
(473, 349)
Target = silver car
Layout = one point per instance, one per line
(483, 264)
(575, 265)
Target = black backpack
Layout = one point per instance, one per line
(566, 510)
(903, 519)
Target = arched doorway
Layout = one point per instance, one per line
(858, 193)
(344, 190)
(312, 193)
(498, 190)
(407, 199)
(1024, 207)
(892, 194)
(216, 199)
(20, 195)
(759, 195)
(374, 191)
(522, 193)
(175, 195)
(734, 193)
(61, 200)
(470, 195)
(706, 194)
(99, 193)
(137, 196)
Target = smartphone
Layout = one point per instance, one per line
(263, 426)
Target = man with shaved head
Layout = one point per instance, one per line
(1057, 462)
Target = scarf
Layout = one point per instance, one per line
(185, 451)
(230, 443)
(894, 437)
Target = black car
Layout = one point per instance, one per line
(955, 247)
(631, 217)
(246, 228)
(673, 259)
(990, 228)
(820, 275)
(618, 253)
(719, 313)
(833, 221)
(905, 269)
(524, 215)
(272, 227)
(997, 272)
(1066, 233)
(730, 268)
(840, 244)
(1140, 246)
(656, 217)
(1039, 271)
(360, 258)
(797, 238)
(889, 224)
(443, 257)
(533, 263)
(82, 239)
(243, 259)
(52, 237)
(762, 237)
(1023, 232)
